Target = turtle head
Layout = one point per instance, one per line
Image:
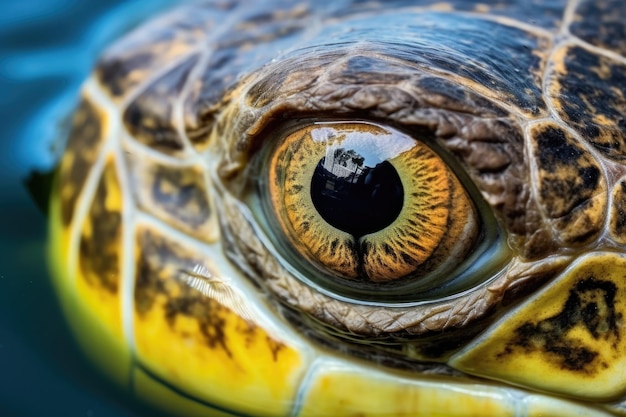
(272, 213)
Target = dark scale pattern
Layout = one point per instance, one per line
(246, 37)
(602, 23)
(81, 153)
(150, 119)
(589, 90)
(181, 193)
(571, 184)
(590, 305)
(100, 242)
(178, 195)
(162, 267)
(447, 94)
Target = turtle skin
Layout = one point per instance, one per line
(166, 265)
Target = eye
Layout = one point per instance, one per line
(366, 211)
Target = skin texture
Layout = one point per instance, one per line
(183, 279)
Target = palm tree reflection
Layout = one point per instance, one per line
(353, 197)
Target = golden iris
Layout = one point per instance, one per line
(366, 203)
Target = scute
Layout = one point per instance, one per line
(571, 186)
(88, 132)
(100, 240)
(546, 14)
(165, 265)
(100, 252)
(601, 23)
(234, 54)
(151, 117)
(178, 194)
(587, 89)
(567, 339)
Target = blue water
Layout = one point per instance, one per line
(47, 47)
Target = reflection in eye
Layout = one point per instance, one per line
(355, 196)
(369, 205)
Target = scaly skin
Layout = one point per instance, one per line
(188, 286)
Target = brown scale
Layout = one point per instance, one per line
(288, 79)
(175, 194)
(491, 150)
(572, 188)
(235, 54)
(602, 24)
(81, 153)
(101, 237)
(589, 93)
(150, 117)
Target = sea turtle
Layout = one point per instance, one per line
(354, 208)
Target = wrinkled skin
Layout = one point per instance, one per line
(181, 288)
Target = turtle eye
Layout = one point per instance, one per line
(365, 208)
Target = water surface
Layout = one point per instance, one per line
(47, 47)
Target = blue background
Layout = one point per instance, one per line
(47, 47)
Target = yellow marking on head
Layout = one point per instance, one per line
(344, 391)
(92, 313)
(189, 337)
(568, 339)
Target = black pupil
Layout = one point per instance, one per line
(355, 198)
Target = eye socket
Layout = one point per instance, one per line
(366, 211)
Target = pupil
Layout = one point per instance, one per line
(354, 198)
